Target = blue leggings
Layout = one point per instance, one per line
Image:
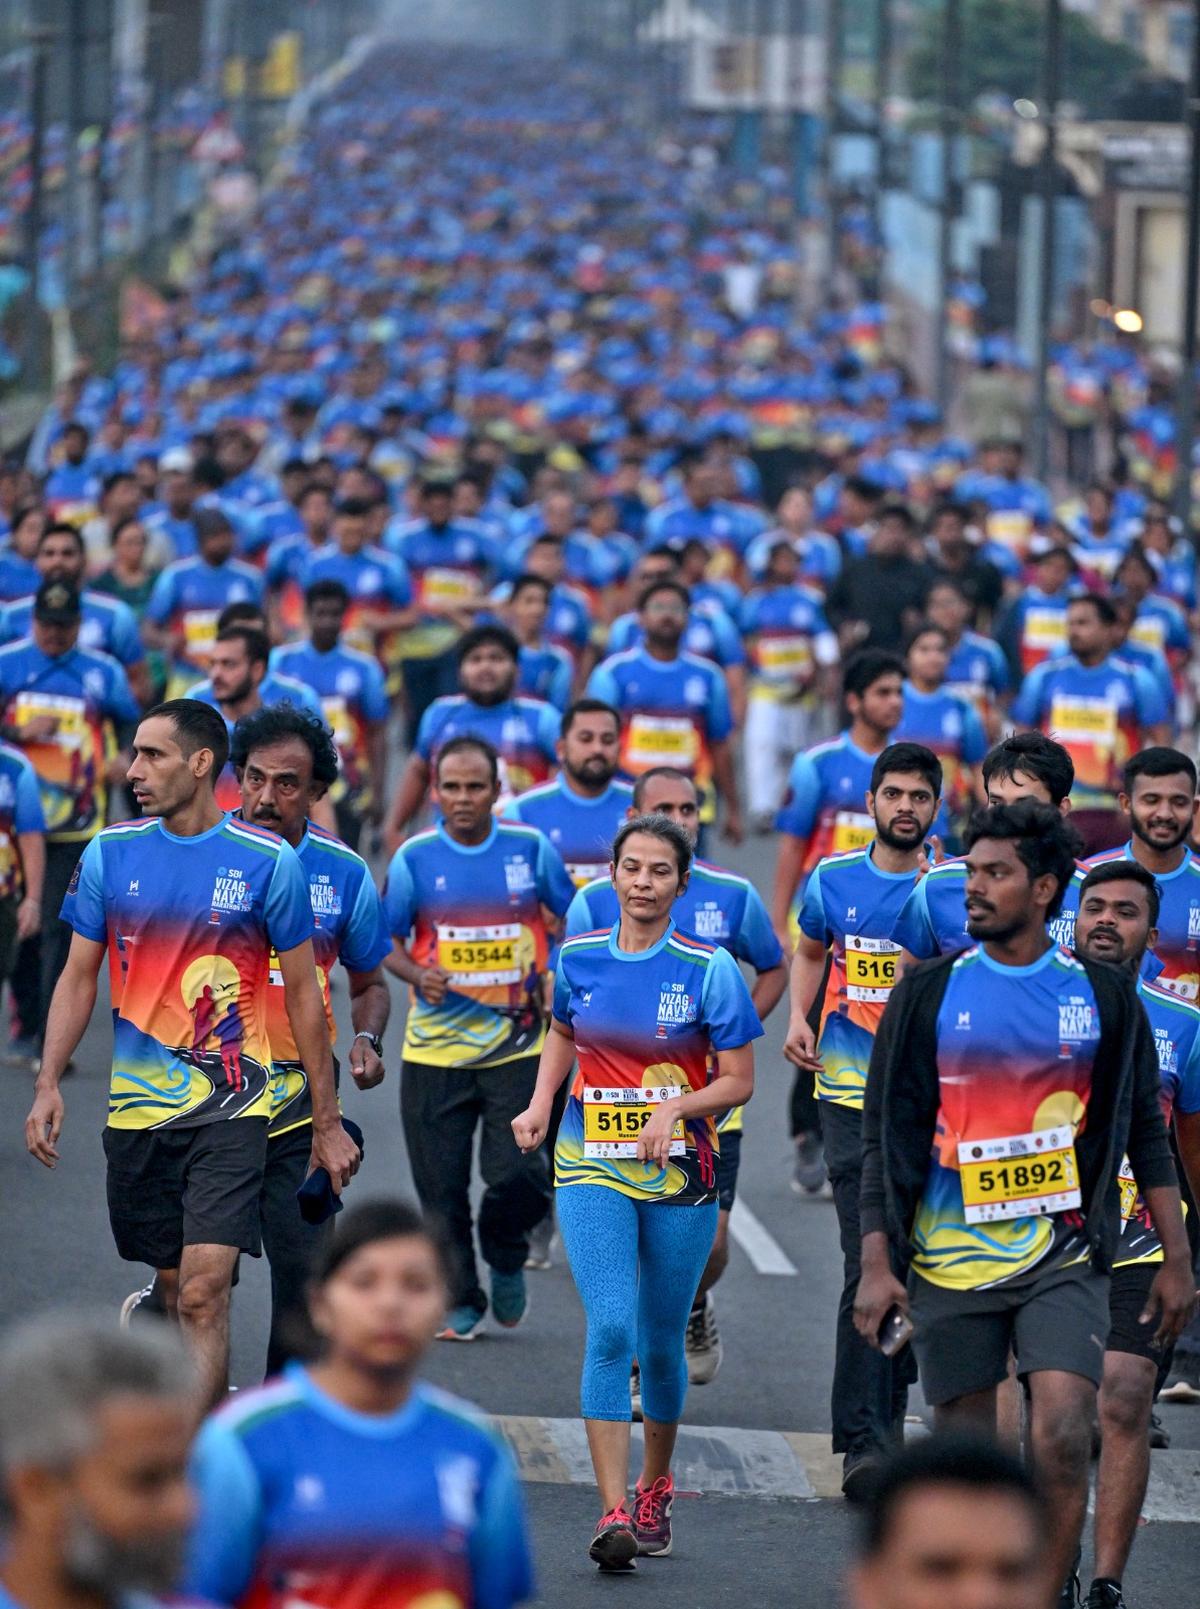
(637, 1265)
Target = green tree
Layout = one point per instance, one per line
(1001, 51)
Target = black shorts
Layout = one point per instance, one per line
(728, 1161)
(1128, 1293)
(171, 1188)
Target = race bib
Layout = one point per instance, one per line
(584, 871)
(70, 713)
(1011, 528)
(200, 632)
(448, 586)
(870, 968)
(661, 740)
(613, 1119)
(1090, 721)
(1129, 1190)
(1019, 1175)
(337, 719)
(1046, 630)
(480, 957)
(851, 830)
(785, 658)
(1150, 632)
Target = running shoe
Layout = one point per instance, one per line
(1068, 1598)
(20, 1051)
(1160, 1436)
(809, 1174)
(635, 1392)
(509, 1299)
(702, 1342)
(858, 1473)
(1104, 1595)
(462, 1324)
(539, 1244)
(135, 1299)
(615, 1544)
(1184, 1382)
(652, 1516)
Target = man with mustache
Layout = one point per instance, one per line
(1012, 1077)
(851, 903)
(95, 1429)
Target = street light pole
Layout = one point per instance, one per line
(32, 355)
(1185, 401)
(951, 93)
(883, 61)
(1047, 189)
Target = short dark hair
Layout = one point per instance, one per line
(1037, 756)
(371, 1221)
(926, 628)
(868, 666)
(489, 632)
(947, 509)
(197, 726)
(1158, 761)
(524, 582)
(639, 786)
(326, 590)
(467, 744)
(1101, 604)
(900, 512)
(62, 528)
(123, 525)
(239, 613)
(944, 1459)
(272, 723)
(254, 641)
(587, 706)
(1046, 844)
(658, 827)
(1125, 870)
(911, 759)
(351, 508)
(209, 521)
(664, 584)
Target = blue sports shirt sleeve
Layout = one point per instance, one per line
(726, 1009)
(426, 732)
(756, 941)
(289, 905)
(398, 897)
(798, 814)
(227, 1533)
(365, 939)
(125, 644)
(28, 815)
(374, 693)
(914, 926)
(501, 1567)
(162, 599)
(1187, 1096)
(579, 916)
(555, 888)
(603, 684)
(720, 720)
(562, 996)
(1027, 706)
(83, 907)
(1152, 703)
(549, 722)
(812, 912)
(119, 702)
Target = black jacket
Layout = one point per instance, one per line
(901, 1105)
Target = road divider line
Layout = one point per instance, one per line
(757, 1241)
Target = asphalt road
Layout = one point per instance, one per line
(737, 1535)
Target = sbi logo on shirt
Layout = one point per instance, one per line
(326, 901)
(230, 890)
(1168, 1056)
(1076, 1021)
(675, 1007)
(518, 874)
(711, 921)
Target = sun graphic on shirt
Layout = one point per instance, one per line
(1064, 1106)
(216, 976)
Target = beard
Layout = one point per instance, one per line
(594, 771)
(902, 841)
(94, 1562)
(1161, 845)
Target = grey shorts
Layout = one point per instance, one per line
(963, 1338)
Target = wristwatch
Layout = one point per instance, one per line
(373, 1040)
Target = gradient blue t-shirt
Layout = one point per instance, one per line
(581, 829)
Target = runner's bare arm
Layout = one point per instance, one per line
(332, 1147)
(414, 784)
(70, 1012)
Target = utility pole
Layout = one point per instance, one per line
(1185, 401)
(835, 23)
(882, 84)
(951, 88)
(39, 39)
(1048, 190)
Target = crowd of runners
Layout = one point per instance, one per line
(458, 564)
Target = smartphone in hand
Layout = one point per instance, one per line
(895, 1331)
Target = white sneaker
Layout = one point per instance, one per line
(540, 1239)
(702, 1343)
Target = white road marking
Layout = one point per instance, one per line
(757, 1241)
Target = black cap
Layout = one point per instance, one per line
(207, 521)
(56, 604)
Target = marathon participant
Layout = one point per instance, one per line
(933, 920)
(377, 581)
(1102, 711)
(793, 678)
(1159, 623)
(407, 1498)
(452, 563)
(569, 621)
(976, 570)
(354, 704)
(977, 670)
(545, 670)
(1016, 505)
(285, 761)
(72, 487)
(169, 526)
(945, 723)
(1117, 923)
(286, 560)
(70, 712)
(582, 808)
(22, 864)
(880, 594)
(466, 906)
(711, 633)
(107, 626)
(851, 902)
(1015, 1048)
(95, 1428)
(674, 707)
(645, 1006)
(19, 575)
(952, 1521)
(823, 811)
(181, 617)
(189, 935)
(523, 731)
(1034, 626)
(719, 907)
(699, 512)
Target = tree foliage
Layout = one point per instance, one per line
(1002, 52)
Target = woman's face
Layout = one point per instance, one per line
(129, 549)
(384, 1305)
(647, 877)
(27, 534)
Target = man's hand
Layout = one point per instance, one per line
(800, 1046)
(932, 854)
(529, 1127)
(878, 1291)
(1173, 1297)
(334, 1150)
(732, 826)
(654, 1142)
(432, 985)
(40, 729)
(44, 1125)
(29, 918)
(116, 770)
(366, 1068)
